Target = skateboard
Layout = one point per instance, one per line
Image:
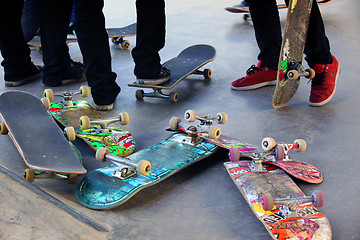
(243, 7)
(280, 205)
(270, 152)
(116, 34)
(111, 186)
(188, 62)
(290, 67)
(90, 125)
(37, 137)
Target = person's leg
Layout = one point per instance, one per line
(94, 46)
(18, 68)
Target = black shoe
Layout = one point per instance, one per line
(162, 77)
(33, 74)
(75, 73)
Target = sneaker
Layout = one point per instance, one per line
(34, 74)
(256, 77)
(160, 78)
(75, 73)
(323, 85)
(107, 107)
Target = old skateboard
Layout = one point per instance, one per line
(290, 67)
(280, 205)
(116, 34)
(271, 152)
(110, 186)
(90, 125)
(188, 62)
(37, 137)
(243, 7)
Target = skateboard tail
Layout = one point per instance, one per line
(284, 92)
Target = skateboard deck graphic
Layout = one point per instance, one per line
(100, 190)
(188, 62)
(119, 141)
(301, 222)
(37, 137)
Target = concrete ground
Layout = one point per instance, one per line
(201, 202)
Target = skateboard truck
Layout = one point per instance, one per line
(157, 93)
(256, 164)
(297, 70)
(290, 203)
(67, 96)
(126, 167)
(102, 124)
(281, 150)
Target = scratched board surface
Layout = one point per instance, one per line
(305, 223)
(100, 190)
(119, 142)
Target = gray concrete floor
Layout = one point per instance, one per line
(201, 202)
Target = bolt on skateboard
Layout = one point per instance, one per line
(37, 137)
(188, 62)
(110, 186)
(280, 205)
(271, 152)
(90, 125)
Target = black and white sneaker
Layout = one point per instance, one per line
(160, 78)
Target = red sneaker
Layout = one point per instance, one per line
(323, 85)
(256, 77)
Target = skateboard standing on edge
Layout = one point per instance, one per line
(90, 125)
(116, 183)
(270, 152)
(37, 137)
(280, 205)
(290, 67)
(186, 63)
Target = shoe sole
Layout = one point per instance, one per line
(22, 82)
(332, 94)
(256, 86)
(152, 82)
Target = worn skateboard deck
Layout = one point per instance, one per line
(37, 137)
(306, 222)
(116, 34)
(119, 141)
(100, 190)
(188, 62)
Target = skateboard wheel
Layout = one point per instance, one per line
(207, 73)
(190, 116)
(29, 175)
(3, 129)
(100, 154)
(39, 49)
(125, 45)
(173, 124)
(143, 167)
(70, 133)
(139, 94)
(173, 97)
(84, 91)
(124, 118)
(293, 75)
(84, 122)
(72, 178)
(234, 154)
(318, 198)
(267, 202)
(311, 73)
(279, 153)
(114, 40)
(49, 94)
(221, 118)
(246, 17)
(302, 145)
(214, 132)
(46, 102)
(268, 144)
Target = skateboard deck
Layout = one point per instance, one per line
(116, 34)
(117, 140)
(188, 62)
(303, 171)
(37, 137)
(99, 189)
(291, 54)
(302, 220)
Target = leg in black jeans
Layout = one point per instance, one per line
(150, 38)
(94, 46)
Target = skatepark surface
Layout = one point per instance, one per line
(201, 202)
